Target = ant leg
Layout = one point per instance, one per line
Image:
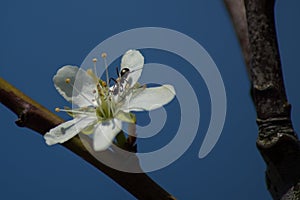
(112, 79)
(117, 69)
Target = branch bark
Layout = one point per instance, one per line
(34, 116)
(237, 12)
(277, 140)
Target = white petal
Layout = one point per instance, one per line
(126, 117)
(67, 130)
(150, 98)
(105, 133)
(84, 85)
(134, 61)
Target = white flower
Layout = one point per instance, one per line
(101, 109)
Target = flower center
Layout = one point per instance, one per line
(106, 100)
(106, 107)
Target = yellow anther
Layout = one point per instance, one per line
(57, 109)
(103, 55)
(95, 60)
(103, 83)
(68, 80)
(90, 72)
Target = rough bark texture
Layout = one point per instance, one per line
(34, 116)
(277, 140)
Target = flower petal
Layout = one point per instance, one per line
(126, 117)
(150, 98)
(67, 130)
(134, 61)
(80, 87)
(105, 133)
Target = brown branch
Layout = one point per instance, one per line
(236, 10)
(34, 116)
(277, 140)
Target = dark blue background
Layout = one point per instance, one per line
(38, 37)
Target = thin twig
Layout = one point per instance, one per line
(34, 116)
(236, 10)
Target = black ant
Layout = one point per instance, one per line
(122, 74)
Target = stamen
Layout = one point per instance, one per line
(101, 110)
(103, 83)
(68, 81)
(104, 55)
(95, 66)
(71, 111)
(94, 74)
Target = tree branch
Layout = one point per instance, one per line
(277, 140)
(236, 10)
(34, 116)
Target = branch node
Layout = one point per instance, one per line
(271, 129)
